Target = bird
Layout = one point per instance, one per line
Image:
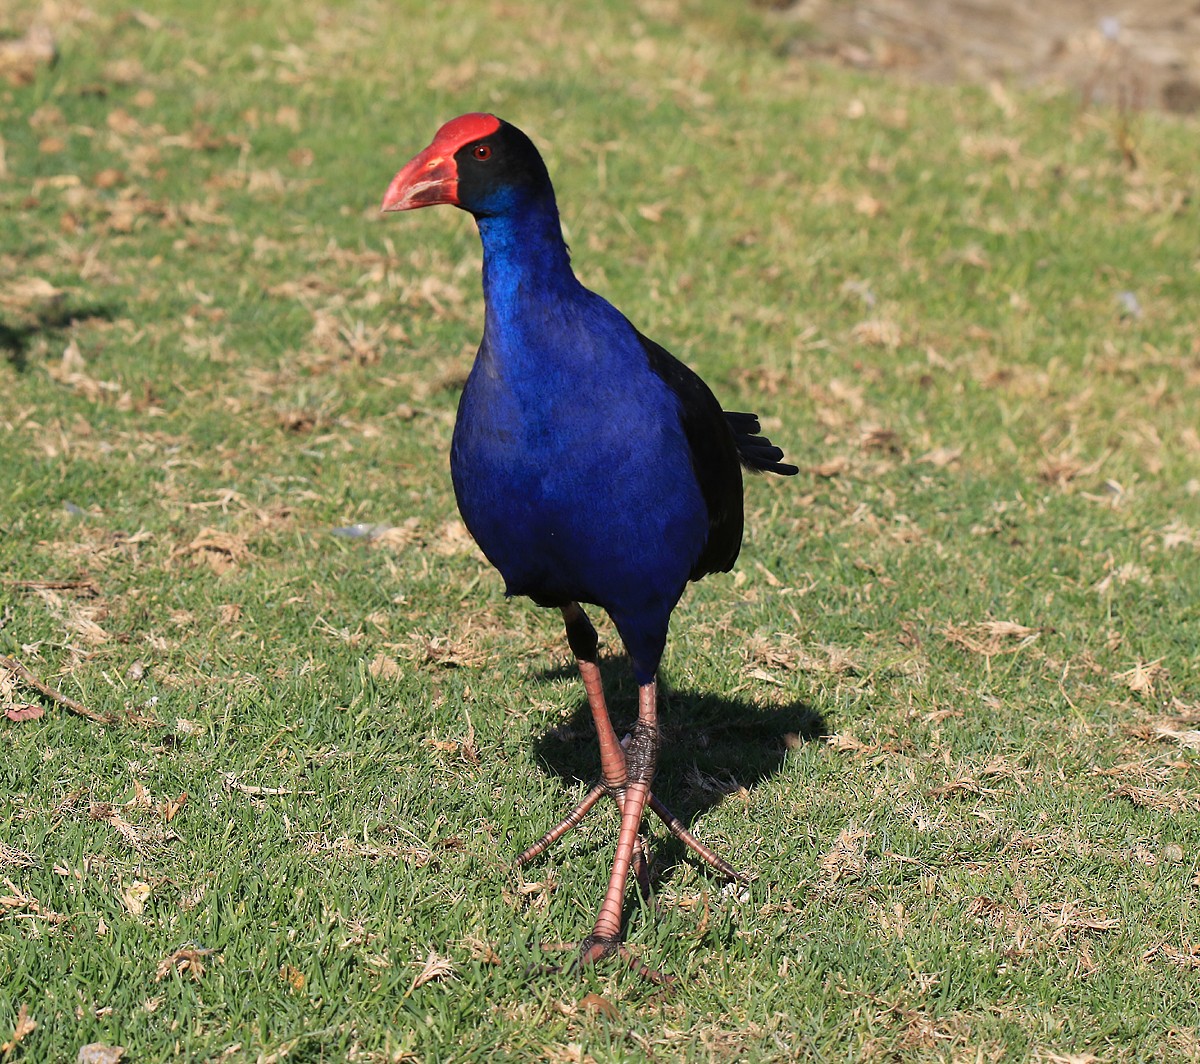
(589, 464)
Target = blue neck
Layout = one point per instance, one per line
(526, 264)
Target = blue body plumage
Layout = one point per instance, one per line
(570, 462)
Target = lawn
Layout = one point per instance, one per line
(947, 707)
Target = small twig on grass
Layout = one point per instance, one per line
(52, 693)
(230, 781)
(88, 587)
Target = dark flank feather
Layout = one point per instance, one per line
(714, 455)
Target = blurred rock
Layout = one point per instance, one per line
(1135, 56)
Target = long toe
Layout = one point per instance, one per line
(572, 820)
(675, 826)
(594, 949)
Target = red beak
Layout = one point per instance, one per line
(430, 178)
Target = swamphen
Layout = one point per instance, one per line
(589, 464)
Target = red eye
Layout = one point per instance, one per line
(482, 152)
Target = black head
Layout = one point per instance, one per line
(477, 162)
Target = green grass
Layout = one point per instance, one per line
(995, 854)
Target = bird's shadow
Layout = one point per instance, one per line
(15, 338)
(712, 745)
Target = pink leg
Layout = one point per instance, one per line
(642, 758)
(613, 776)
(626, 774)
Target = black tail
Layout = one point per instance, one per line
(758, 454)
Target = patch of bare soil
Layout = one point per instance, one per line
(1136, 54)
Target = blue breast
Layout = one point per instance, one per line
(571, 467)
